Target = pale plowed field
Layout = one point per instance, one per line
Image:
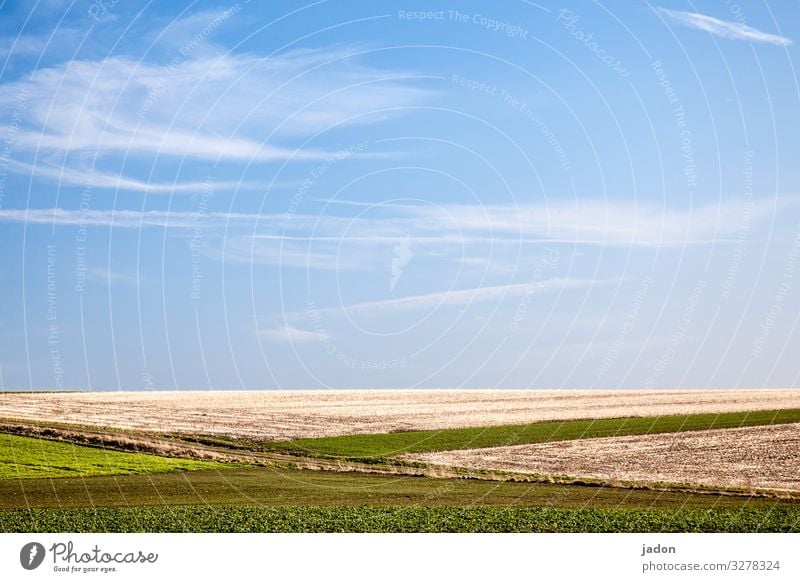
(281, 415)
(762, 457)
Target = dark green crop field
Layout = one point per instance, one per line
(397, 519)
(289, 487)
(375, 446)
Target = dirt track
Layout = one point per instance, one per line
(281, 415)
(760, 457)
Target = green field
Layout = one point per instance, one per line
(292, 487)
(375, 447)
(105, 490)
(286, 500)
(26, 458)
(397, 519)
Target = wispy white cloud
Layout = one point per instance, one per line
(722, 28)
(493, 238)
(588, 222)
(290, 334)
(109, 277)
(464, 297)
(490, 239)
(224, 106)
(598, 222)
(88, 176)
(125, 218)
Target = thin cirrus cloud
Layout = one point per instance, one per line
(125, 218)
(722, 28)
(604, 222)
(427, 301)
(109, 277)
(465, 297)
(288, 333)
(456, 232)
(65, 175)
(493, 239)
(229, 107)
(276, 236)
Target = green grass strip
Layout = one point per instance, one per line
(28, 458)
(292, 487)
(396, 519)
(380, 446)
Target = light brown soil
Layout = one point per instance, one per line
(759, 457)
(281, 415)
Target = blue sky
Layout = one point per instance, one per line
(365, 195)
